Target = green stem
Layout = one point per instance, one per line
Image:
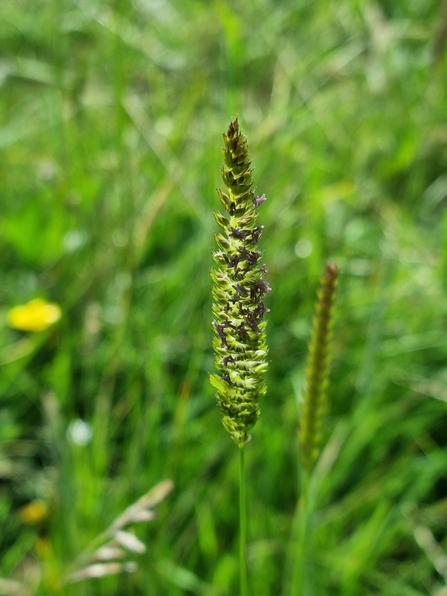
(300, 536)
(242, 523)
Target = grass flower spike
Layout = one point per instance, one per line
(317, 371)
(238, 293)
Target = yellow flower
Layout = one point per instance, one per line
(37, 315)
(33, 513)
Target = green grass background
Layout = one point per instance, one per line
(110, 145)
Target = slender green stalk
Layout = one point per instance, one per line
(242, 523)
(300, 536)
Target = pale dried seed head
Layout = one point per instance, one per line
(107, 546)
(130, 541)
(108, 553)
(152, 498)
(101, 570)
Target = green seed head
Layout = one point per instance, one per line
(238, 294)
(317, 370)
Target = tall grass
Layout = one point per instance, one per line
(109, 163)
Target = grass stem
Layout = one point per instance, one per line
(300, 536)
(242, 523)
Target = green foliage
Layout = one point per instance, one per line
(111, 115)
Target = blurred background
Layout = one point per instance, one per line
(110, 146)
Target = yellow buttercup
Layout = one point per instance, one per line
(36, 315)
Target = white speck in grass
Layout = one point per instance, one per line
(303, 248)
(74, 239)
(46, 170)
(164, 126)
(79, 432)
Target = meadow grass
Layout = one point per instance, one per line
(110, 140)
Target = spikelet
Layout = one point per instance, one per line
(238, 292)
(317, 370)
(109, 552)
